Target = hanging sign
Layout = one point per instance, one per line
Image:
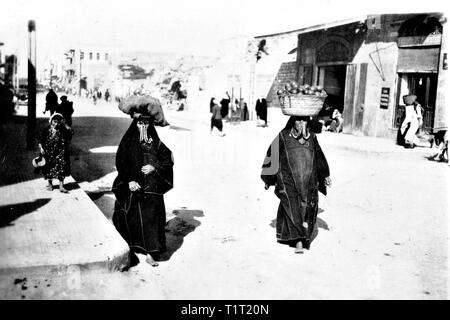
(384, 101)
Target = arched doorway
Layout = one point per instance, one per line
(331, 60)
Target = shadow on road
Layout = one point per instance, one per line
(178, 228)
(9, 213)
(91, 133)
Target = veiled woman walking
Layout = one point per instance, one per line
(297, 167)
(145, 174)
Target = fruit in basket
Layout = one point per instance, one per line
(287, 87)
(313, 88)
(319, 88)
(294, 91)
(280, 92)
(306, 86)
(294, 84)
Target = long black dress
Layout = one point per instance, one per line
(261, 109)
(298, 172)
(140, 216)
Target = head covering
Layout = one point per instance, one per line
(63, 98)
(56, 115)
(144, 107)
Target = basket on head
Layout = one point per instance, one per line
(146, 106)
(301, 105)
(409, 99)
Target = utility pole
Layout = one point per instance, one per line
(31, 128)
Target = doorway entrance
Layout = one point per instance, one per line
(424, 86)
(332, 79)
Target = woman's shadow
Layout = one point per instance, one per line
(320, 223)
(178, 228)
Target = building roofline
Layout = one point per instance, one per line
(317, 27)
(339, 23)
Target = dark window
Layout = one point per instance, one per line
(90, 55)
(81, 55)
(106, 56)
(98, 56)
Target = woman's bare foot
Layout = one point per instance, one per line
(49, 187)
(149, 259)
(299, 247)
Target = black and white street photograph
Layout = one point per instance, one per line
(224, 150)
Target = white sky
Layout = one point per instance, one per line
(183, 26)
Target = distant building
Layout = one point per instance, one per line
(88, 67)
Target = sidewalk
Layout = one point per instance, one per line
(361, 144)
(48, 232)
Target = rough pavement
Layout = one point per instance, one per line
(46, 232)
(382, 229)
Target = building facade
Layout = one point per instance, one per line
(88, 67)
(368, 65)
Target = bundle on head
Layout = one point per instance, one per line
(138, 106)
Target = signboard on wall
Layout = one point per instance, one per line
(384, 100)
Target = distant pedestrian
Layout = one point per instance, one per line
(106, 95)
(7, 106)
(66, 109)
(51, 102)
(440, 140)
(297, 167)
(145, 173)
(216, 119)
(53, 145)
(261, 110)
(337, 121)
(412, 121)
(244, 110)
(225, 104)
(211, 105)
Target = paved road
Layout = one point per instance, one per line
(382, 230)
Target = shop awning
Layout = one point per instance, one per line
(425, 59)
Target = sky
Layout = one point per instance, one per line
(181, 26)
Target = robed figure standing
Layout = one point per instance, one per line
(145, 174)
(297, 167)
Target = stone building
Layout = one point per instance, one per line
(88, 67)
(367, 65)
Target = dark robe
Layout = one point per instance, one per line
(225, 103)
(261, 109)
(65, 108)
(140, 216)
(298, 172)
(51, 102)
